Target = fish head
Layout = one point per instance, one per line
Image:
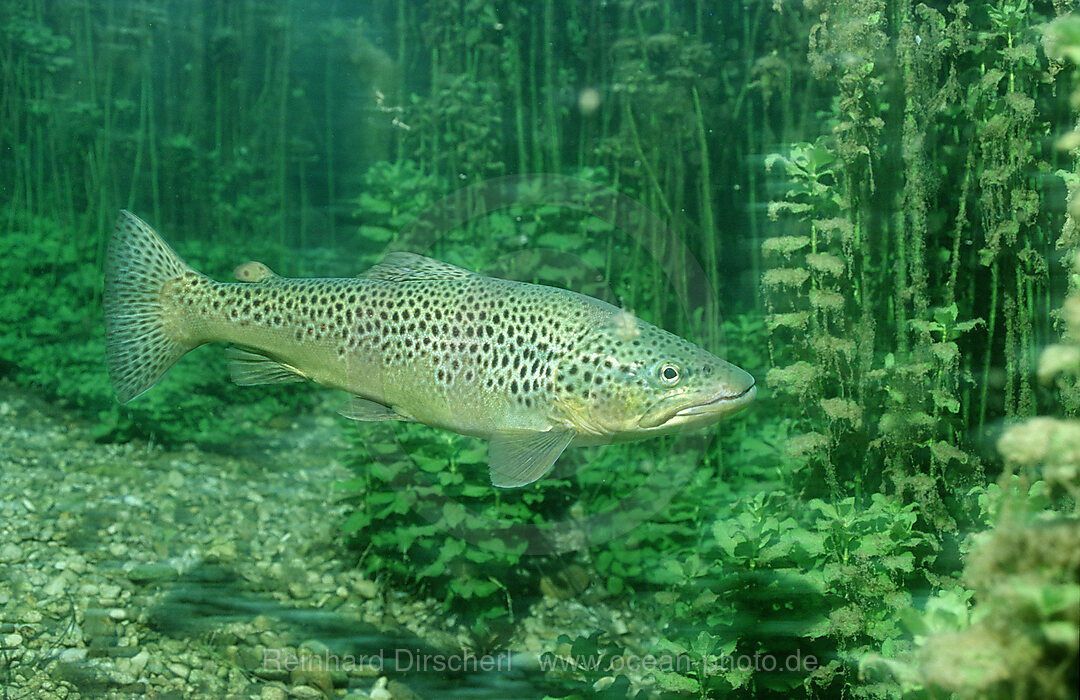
(629, 379)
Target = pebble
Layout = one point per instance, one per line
(137, 663)
(366, 589)
(10, 552)
(178, 669)
(55, 587)
(151, 573)
(112, 539)
(71, 656)
(273, 692)
(110, 591)
(315, 648)
(379, 691)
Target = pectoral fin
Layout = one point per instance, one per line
(248, 367)
(363, 409)
(520, 457)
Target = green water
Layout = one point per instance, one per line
(869, 205)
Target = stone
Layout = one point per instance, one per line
(110, 591)
(138, 662)
(379, 691)
(152, 573)
(178, 669)
(71, 656)
(366, 589)
(400, 691)
(315, 647)
(273, 692)
(10, 553)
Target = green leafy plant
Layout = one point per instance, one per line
(426, 515)
(54, 340)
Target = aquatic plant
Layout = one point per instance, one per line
(1022, 601)
(54, 341)
(872, 177)
(905, 268)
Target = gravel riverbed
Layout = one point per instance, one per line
(129, 570)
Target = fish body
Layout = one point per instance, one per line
(532, 369)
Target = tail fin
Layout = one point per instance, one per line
(138, 343)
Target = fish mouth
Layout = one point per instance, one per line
(720, 400)
(716, 406)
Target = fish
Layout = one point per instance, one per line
(530, 368)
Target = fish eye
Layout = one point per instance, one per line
(669, 373)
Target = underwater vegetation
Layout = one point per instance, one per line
(881, 199)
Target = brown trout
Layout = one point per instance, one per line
(530, 368)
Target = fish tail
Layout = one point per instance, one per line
(142, 340)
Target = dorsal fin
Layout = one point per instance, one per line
(402, 267)
(252, 271)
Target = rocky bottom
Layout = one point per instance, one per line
(130, 570)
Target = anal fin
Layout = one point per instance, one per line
(520, 457)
